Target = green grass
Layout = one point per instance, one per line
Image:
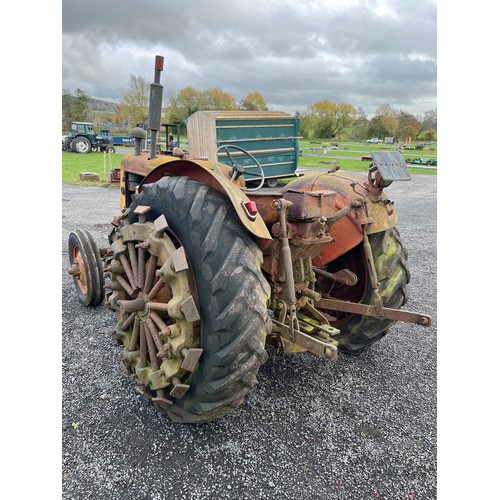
(350, 164)
(74, 163)
(354, 151)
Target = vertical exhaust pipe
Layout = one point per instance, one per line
(155, 101)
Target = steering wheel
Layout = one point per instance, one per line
(238, 170)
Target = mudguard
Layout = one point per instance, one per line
(203, 171)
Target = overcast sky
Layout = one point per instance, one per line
(295, 53)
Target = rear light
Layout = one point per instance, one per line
(250, 208)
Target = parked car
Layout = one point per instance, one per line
(374, 140)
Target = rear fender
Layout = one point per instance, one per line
(378, 216)
(204, 172)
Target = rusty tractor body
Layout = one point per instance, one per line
(204, 271)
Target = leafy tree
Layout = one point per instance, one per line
(378, 128)
(388, 118)
(360, 125)
(306, 128)
(67, 99)
(384, 123)
(408, 126)
(429, 135)
(253, 102)
(133, 107)
(217, 100)
(189, 100)
(328, 119)
(80, 108)
(429, 125)
(75, 108)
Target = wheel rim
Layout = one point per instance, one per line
(156, 303)
(78, 266)
(81, 146)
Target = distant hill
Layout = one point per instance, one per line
(98, 106)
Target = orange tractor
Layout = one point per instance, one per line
(203, 271)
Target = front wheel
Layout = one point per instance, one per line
(191, 300)
(86, 268)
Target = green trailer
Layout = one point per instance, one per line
(271, 137)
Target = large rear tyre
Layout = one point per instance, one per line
(86, 268)
(389, 256)
(81, 145)
(206, 259)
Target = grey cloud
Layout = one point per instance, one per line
(293, 53)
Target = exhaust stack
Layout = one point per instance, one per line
(155, 101)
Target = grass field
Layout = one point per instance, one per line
(348, 155)
(74, 163)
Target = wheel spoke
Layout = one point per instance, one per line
(156, 289)
(143, 347)
(135, 334)
(141, 267)
(128, 270)
(133, 259)
(150, 275)
(126, 323)
(151, 348)
(156, 338)
(124, 284)
(164, 328)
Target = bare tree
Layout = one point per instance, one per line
(134, 104)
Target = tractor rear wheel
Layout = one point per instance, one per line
(194, 338)
(86, 268)
(81, 145)
(389, 256)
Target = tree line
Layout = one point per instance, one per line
(322, 119)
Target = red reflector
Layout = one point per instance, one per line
(251, 207)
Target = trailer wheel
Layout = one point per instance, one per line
(272, 183)
(110, 149)
(206, 261)
(389, 256)
(81, 145)
(86, 268)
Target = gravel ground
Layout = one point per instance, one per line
(363, 427)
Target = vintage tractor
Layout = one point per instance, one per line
(203, 271)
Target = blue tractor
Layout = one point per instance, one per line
(84, 139)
